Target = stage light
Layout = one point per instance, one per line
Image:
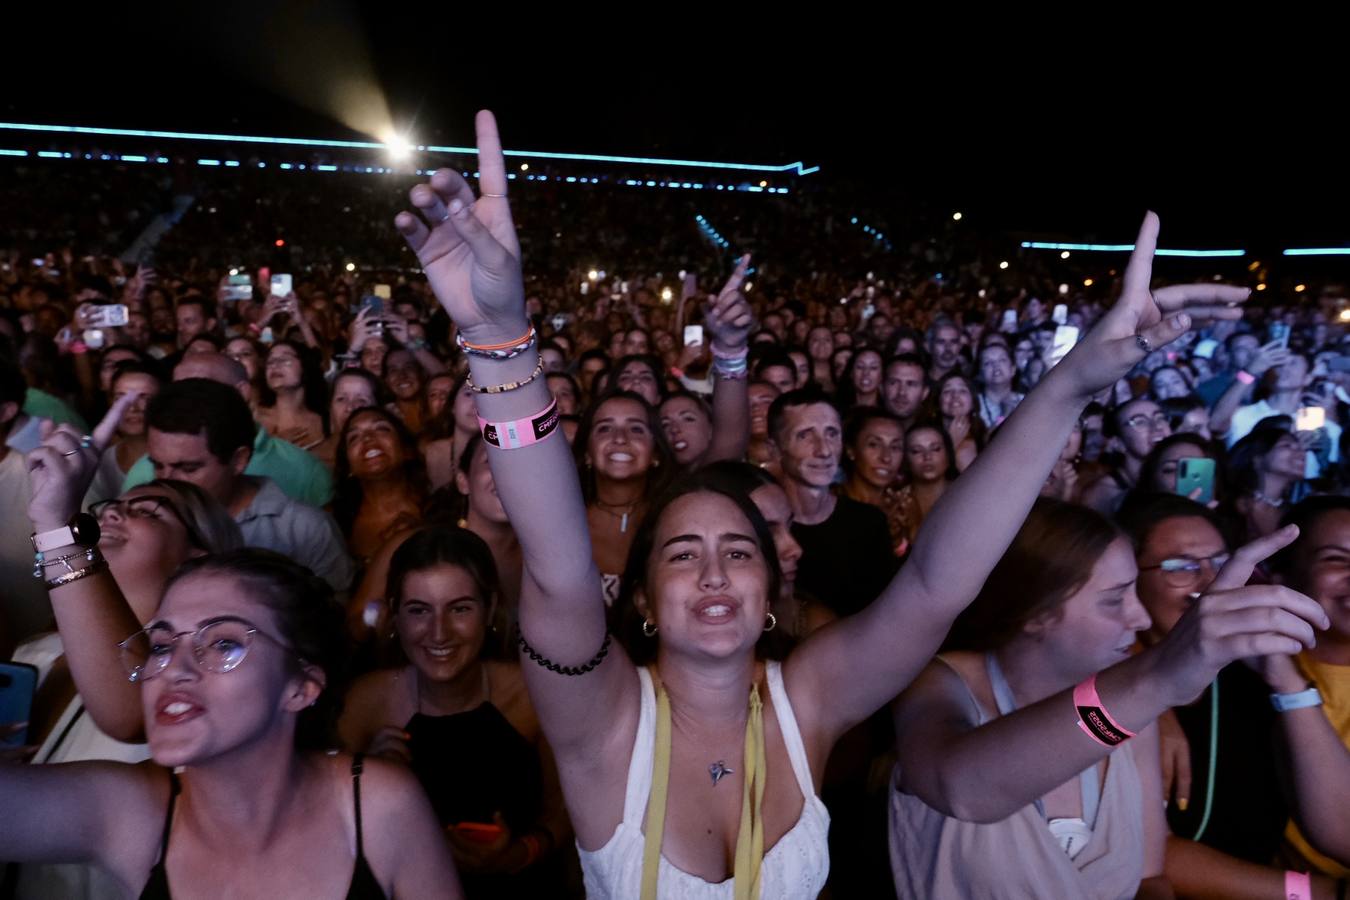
(1300, 288)
(1003, 265)
(351, 267)
(956, 217)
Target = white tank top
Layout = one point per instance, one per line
(793, 868)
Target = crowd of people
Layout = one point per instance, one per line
(501, 575)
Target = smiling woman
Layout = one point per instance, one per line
(381, 484)
(462, 722)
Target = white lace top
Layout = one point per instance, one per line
(793, 868)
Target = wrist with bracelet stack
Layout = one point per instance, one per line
(512, 434)
(730, 365)
(77, 540)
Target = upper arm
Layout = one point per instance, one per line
(932, 713)
(402, 838)
(80, 812)
(849, 669)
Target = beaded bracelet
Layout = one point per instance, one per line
(507, 350)
(503, 388)
(563, 670)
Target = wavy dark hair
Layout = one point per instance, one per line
(625, 619)
(312, 382)
(309, 619)
(663, 458)
(933, 425)
(348, 493)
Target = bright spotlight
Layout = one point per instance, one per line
(399, 147)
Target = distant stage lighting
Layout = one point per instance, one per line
(400, 149)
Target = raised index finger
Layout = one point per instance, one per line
(1139, 272)
(104, 431)
(1238, 570)
(491, 163)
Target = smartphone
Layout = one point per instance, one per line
(479, 832)
(106, 315)
(94, 338)
(374, 304)
(1009, 323)
(282, 284)
(1310, 418)
(1065, 337)
(18, 684)
(1060, 314)
(869, 310)
(559, 321)
(1196, 472)
(240, 288)
(693, 334)
(1279, 331)
(383, 291)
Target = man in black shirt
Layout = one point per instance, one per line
(846, 552)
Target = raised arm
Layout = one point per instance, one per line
(729, 320)
(91, 613)
(856, 666)
(469, 251)
(1270, 356)
(1317, 762)
(985, 773)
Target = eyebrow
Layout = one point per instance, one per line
(696, 539)
(1118, 587)
(1332, 548)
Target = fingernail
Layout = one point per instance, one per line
(1183, 803)
(1182, 321)
(456, 206)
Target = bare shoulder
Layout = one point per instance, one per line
(511, 698)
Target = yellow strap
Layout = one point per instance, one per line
(656, 805)
(749, 838)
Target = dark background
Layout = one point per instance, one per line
(1233, 129)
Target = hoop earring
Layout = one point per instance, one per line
(649, 628)
(771, 622)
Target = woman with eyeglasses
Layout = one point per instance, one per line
(291, 403)
(1221, 775)
(233, 683)
(145, 535)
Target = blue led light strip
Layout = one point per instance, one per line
(1126, 248)
(796, 168)
(1318, 251)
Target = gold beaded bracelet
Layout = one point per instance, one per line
(509, 386)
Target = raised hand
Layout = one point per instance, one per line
(729, 317)
(62, 468)
(1142, 320)
(1232, 621)
(468, 247)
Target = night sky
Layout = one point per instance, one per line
(1055, 132)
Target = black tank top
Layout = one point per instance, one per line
(473, 764)
(364, 885)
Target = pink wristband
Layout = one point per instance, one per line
(521, 432)
(1245, 377)
(1297, 886)
(1093, 717)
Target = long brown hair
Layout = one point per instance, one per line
(1050, 559)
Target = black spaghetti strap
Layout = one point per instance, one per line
(357, 766)
(174, 787)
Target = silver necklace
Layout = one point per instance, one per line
(719, 770)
